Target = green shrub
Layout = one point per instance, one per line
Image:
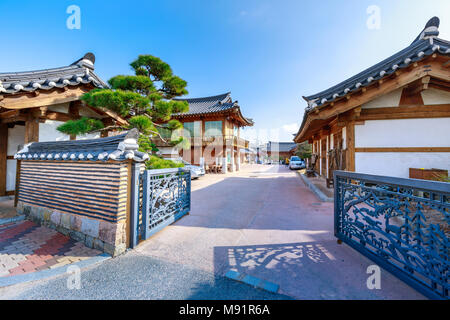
(80, 126)
(160, 163)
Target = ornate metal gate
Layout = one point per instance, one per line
(164, 196)
(400, 224)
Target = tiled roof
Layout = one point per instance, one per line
(119, 148)
(211, 104)
(280, 146)
(208, 105)
(79, 72)
(423, 46)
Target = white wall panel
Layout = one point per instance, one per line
(48, 131)
(403, 133)
(397, 164)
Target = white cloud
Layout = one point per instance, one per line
(290, 128)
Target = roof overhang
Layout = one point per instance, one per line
(234, 112)
(435, 67)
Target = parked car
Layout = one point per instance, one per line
(296, 163)
(196, 171)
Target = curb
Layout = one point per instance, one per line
(314, 189)
(13, 219)
(253, 281)
(39, 275)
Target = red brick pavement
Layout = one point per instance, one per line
(27, 247)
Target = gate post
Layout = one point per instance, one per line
(134, 234)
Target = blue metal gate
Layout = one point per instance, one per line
(162, 196)
(400, 224)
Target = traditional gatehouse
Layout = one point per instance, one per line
(389, 118)
(214, 126)
(81, 188)
(34, 103)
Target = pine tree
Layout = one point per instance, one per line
(143, 99)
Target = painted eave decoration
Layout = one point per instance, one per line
(79, 72)
(117, 148)
(213, 105)
(425, 45)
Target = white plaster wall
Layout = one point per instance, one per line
(89, 136)
(397, 164)
(320, 156)
(435, 96)
(344, 138)
(403, 133)
(391, 99)
(48, 132)
(86, 112)
(11, 175)
(62, 107)
(16, 137)
(169, 151)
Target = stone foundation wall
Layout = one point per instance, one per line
(102, 235)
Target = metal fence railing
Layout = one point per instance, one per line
(400, 224)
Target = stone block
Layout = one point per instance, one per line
(20, 207)
(26, 210)
(62, 230)
(114, 250)
(89, 241)
(65, 220)
(90, 227)
(98, 244)
(47, 214)
(56, 218)
(77, 235)
(75, 222)
(107, 232)
(33, 210)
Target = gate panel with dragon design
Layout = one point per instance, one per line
(400, 224)
(165, 196)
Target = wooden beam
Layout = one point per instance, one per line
(74, 108)
(403, 149)
(115, 116)
(3, 155)
(31, 129)
(350, 154)
(59, 116)
(45, 98)
(16, 193)
(9, 114)
(406, 112)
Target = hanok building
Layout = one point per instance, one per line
(389, 118)
(213, 124)
(34, 103)
(280, 150)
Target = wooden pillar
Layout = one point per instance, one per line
(350, 154)
(74, 112)
(31, 129)
(3, 155)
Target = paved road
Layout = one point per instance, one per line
(262, 221)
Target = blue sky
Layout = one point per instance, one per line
(267, 53)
